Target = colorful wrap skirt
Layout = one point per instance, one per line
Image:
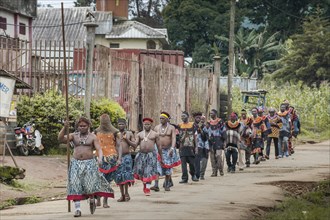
(145, 166)
(257, 145)
(169, 161)
(159, 167)
(84, 181)
(109, 167)
(124, 173)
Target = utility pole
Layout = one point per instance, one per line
(90, 42)
(231, 56)
(216, 83)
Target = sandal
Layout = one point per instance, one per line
(106, 206)
(122, 199)
(127, 197)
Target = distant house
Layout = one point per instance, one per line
(16, 18)
(15, 30)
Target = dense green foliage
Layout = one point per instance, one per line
(48, 111)
(311, 103)
(308, 58)
(106, 106)
(83, 3)
(312, 205)
(255, 53)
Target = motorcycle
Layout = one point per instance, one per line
(28, 139)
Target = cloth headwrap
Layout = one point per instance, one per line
(260, 109)
(164, 115)
(147, 119)
(215, 111)
(121, 120)
(186, 113)
(203, 117)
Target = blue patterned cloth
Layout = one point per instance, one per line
(169, 161)
(124, 173)
(145, 166)
(109, 167)
(84, 180)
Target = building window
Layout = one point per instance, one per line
(22, 28)
(151, 44)
(114, 45)
(3, 23)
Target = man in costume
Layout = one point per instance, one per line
(246, 141)
(167, 141)
(275, 123)
(187, 148)
(145, 166)
(124, 174)
(202, 136)
(217, 133)
(265, 134)
(233, 129)
(84, 179)
(258, 128)
(285, 131)
(107, 134)
(295, 124)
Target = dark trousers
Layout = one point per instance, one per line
(191, 161)
(231, 158)
(269, 141)
(201, 162)
(247, 155)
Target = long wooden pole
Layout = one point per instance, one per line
(66, 96)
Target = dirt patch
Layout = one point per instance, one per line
(45, 179)
(166, 202)
(294, 188)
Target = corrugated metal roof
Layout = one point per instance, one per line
(134, 29)
(19, 83)
(73, 20)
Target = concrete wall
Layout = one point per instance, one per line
(127, 43)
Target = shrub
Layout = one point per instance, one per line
(48, 111)
(106, 106)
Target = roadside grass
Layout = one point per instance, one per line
(20, 201)
(314, 205)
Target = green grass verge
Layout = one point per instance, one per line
(314, 205)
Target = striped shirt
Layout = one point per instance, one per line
(232, 138)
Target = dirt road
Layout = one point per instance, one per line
(233, 196)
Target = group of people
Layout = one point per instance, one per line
(105, 155)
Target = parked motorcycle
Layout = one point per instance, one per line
(28, 139)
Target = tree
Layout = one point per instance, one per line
(284, 16)
(148, 11)
(255, 53)
(308, 59)
(84, 3)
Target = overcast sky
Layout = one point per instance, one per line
(57, 3)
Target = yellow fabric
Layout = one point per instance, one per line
(164, 115)
(186, 125)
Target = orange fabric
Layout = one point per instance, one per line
(215, 121)
(108, 144)
(186, 125)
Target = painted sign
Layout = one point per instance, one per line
(7, 86)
